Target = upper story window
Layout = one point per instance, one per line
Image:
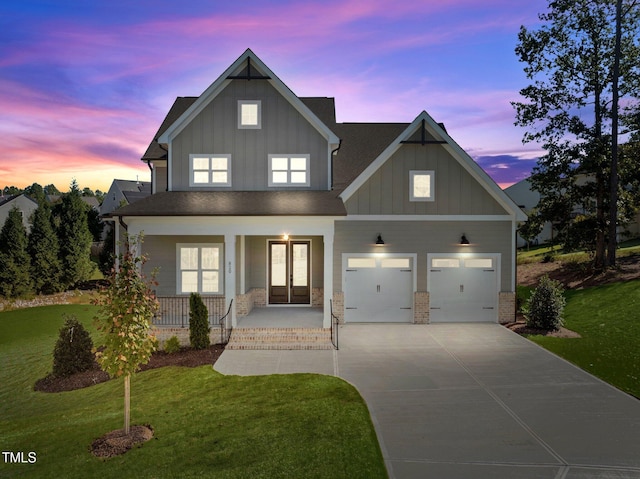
(289, 170)
(209, 170)
(421, 185)
(250, 114)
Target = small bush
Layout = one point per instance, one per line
(198, 322)
(73, 351)
(545, 306)
(172, 345)
(549, 257)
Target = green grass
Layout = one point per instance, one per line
(608, 319)
(537, 253)
(206, 424)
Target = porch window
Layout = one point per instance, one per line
(209, 170)
(421, 185)
(250, 114)
(198, 268)
(289, 170)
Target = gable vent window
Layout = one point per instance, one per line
(250, 114)
(210, 170)
(421, 185)
(288, 170)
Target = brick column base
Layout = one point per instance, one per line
(421, 307)
(506, 307)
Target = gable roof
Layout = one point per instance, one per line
(437, 132)
(248, 57)
(4, 200)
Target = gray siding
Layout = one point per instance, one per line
(161, 179)
(456, 191)
(161, 253)
(215, 130)
(423, 238)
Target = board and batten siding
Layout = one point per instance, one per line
(423, 237)
(456, 191)
(215, 131)
(160, 179)
(161, 253)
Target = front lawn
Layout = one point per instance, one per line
(608, 318)
(206, 424)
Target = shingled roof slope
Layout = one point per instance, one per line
(237, 203)
(154, 150)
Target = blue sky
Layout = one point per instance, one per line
(85, 85)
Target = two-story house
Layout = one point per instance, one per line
(261, 197)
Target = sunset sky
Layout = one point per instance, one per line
(84, 85)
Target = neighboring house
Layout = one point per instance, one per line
(261, 197)
(523, 194)
(90, 201)
(25, 205)
(124, 192)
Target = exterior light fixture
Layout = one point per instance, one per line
(379, 241)
(464, 241)
(285, 237)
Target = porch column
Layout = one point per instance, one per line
(328, 278)
(230, 274)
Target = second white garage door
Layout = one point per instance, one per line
(378, 289)
(463, 287)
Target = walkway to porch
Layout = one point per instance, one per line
(281, 328)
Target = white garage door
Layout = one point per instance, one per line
(463, 288)
(378, 289)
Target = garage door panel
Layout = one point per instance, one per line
(463, 288)
(378, 289)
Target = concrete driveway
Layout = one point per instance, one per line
(472, 401)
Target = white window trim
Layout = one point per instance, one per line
(289, 184)
(242, 126)
(412, 175)
(220, 269)
(210, 171)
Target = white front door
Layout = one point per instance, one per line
(463, 287)
(378, 289)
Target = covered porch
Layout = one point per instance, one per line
(246, 275)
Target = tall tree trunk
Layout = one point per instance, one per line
(613, 188)
(127, 403)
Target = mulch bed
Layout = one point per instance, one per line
(116, 442)
(521, 328)
(186, 357)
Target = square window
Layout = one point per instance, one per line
(421, 185)
(289, 170)
(249, 114)
(210, 170)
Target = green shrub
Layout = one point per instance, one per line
(545, 306)
(549, 257)
(73, 351)
(198, 322)
(172, 345)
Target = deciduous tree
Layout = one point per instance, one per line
(127, 306)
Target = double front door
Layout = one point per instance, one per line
(289, 272)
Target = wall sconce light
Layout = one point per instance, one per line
(379, 241)
(464, 241)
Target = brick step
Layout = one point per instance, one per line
(280, 338)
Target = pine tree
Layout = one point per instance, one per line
(44, 249)
(75, 238)
(15, 279)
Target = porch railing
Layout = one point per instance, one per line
(174, 313)
(334, 326)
